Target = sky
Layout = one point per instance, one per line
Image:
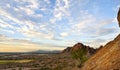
(29, 25)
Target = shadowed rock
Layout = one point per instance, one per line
(118, 17)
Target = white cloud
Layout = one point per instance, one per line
(63, 34)
(61, 10)
(28, 32)
(115, 20)
(53, 20)
(96, 43)
(32, 3)
(84, 23)
(16, 9)
(8, 5)
(9, 16)
(43, 9)
(59, 16)
(4, 24)
(102, 23)
(27, 27)
(118, 6)
(39, 15)
(105, 31)
(8, 31)
(47, 1)
(27, 10)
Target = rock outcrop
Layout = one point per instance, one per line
(118, 17)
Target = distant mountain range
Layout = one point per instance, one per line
(34, 52)
(46, 51)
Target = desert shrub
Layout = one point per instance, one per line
(58, 67)
(80, 56)
(36, 65)
(20, 68)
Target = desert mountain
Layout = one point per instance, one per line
(79, 46)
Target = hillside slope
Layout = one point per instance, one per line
(108, 58)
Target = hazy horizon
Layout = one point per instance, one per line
(28, 25)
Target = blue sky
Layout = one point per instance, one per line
(27, 25)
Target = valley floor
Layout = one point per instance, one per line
(37, 62)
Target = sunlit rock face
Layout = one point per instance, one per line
(118, 17)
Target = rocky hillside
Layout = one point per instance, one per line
(79, 46)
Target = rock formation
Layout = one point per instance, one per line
(118, 17)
